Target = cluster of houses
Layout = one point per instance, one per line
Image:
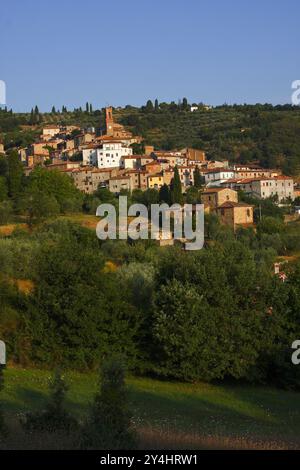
(107, 160)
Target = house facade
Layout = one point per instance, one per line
(235, 214)
(214, 197)
(108, 155)
(281, 187)
(118, 183)
(216, 176)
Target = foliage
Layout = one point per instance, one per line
(176, 189)
(192, 195)
(198, 179)
(54, 417)
(89, 298)
(6, 211)
(14, 174)
(54, 184)
(108, 425)
(3, 188)
(3, 428)
(76, 311)
(164, 194)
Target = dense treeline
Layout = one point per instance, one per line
(264, 134)
(216, 313)
(37, 196)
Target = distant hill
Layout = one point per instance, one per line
(269, 135)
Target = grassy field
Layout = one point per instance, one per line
(176, 415)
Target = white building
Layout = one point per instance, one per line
(89, 156)
(217, 176)
(111, 154)
(129, 162)
(108, 155)
(281, 186)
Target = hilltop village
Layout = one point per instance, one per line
(115, 159)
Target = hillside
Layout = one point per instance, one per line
(265, 134)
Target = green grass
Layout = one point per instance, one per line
(228, 411)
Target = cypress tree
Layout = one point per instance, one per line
(31, 119)
(54, 417)
(197, 178)
(164, 194)
(176, 189)
(108, 426)
(15, 174)
(149, 106)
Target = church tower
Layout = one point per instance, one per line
(109, 121)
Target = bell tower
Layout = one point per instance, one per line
(109, 121)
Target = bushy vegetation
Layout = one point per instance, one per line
(109, 422)
(261, 133)
(3, 428)
(217, 313)
(54, 417)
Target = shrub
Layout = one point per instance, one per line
(5, 212)
(108, 426)
(54, 417)
(3, 429)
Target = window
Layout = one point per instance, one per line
(248, 212)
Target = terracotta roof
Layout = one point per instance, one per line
(231, 204)
(233, 180)
(213, 190)
(265, 178)
(217, 170)
(136, 171)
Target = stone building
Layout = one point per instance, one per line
(214, 197)
(235, 214)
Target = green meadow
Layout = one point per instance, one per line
(175, 414)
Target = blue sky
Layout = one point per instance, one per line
(126, 51)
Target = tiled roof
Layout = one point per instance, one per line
(231, 204)
(213, 190)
